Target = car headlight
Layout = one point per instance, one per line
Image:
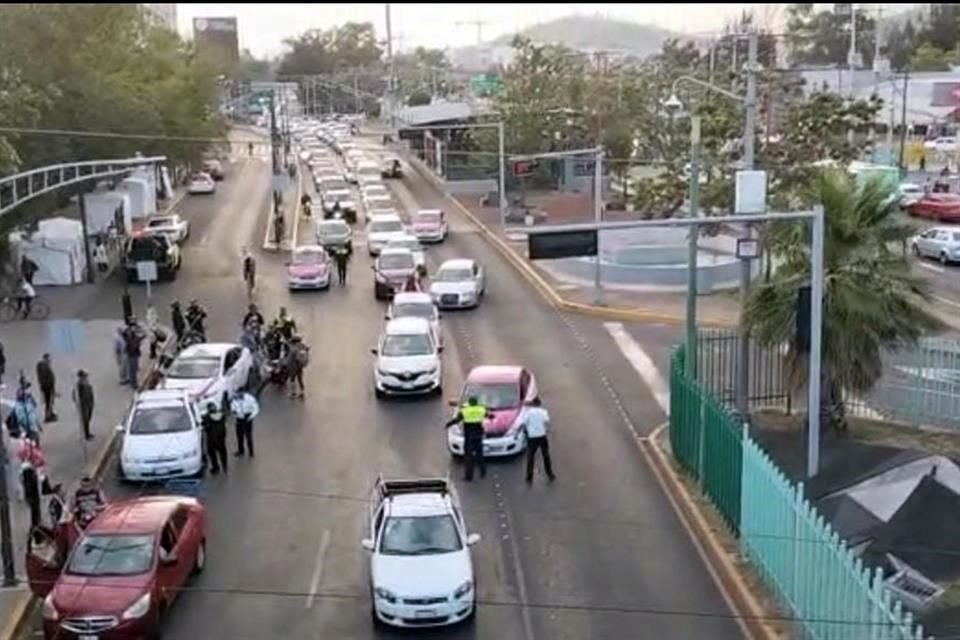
(139, 608)
(193, 453)
(49, 611)
(463, 589)
(385, 595)
(457, 430)
(468, 295)
(382, 279)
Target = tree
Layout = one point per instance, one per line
(900, 45)
(418, 98)
(929, 58)
(252, 69)
(318, 51)
(872, 300)
(823, 37)
(423, 70)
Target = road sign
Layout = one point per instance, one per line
(522, 168)
(147, 271)
(549, 245)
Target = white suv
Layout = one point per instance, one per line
(408, 359)
(421, 569)
(162, 437)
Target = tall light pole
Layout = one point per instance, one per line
(690, 362)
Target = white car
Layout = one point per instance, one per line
(457, 284)
(374, 189)
(909, 194)
(343, 196)
(381, 228)
(209, 372)
(416, 304)
(408, 359)
(162, 437)
(409, 242)
(378, 201)
(173, 226)
(201, 183)
(430, 225)
(943, 144)
(940, 243)
(421, 569)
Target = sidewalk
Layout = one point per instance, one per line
(290, 208)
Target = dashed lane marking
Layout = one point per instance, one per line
(932, 267)
(318, 570)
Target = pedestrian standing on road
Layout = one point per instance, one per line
(48, 387)
(83, 398)
(537, 424)
(32, 462)
(177, 320)
(245, 409)
(120, 354)
(3, 363)
(25, 412)
(472, 416)
(133, 336)
(100, 257)
(341, 256)
(297, 361)
(214, 425)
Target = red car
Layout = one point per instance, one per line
(122, 573)
(937, 206)
(505, 391)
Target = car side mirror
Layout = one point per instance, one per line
(374, 351)
(367, 544)
(169, 559)
(439, 349)
(473, 539)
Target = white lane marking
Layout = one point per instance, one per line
(318, 569)
(932, 267)
(517, 567)
(946, 301)
(642, 363)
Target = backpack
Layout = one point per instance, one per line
(303, 356)
(12, 423)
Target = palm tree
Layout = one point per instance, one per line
(872, 302)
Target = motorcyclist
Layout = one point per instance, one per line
(412, 283)
(88, 501)
(285, 325)
(305, 204)
(253, 317)
(195, 319)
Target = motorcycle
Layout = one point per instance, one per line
(274, 356)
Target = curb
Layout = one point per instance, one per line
(270, 245)
(737, 594)
(548, 292)
(23, 610)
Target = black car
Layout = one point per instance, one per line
(155, 248)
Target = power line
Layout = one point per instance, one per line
(81, 133)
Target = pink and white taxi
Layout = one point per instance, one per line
(505, 391)
(430, 225)
(309, 268)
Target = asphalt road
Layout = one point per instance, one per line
(599, 554)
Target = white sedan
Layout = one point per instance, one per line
(162, 437)
(210, 372)
(458, 284)
(173, 226)
(413, 244)
(201, 183)
(416, 304)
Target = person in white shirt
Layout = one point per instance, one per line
(25, 297)
(536, 424)
(101, 258)
(244, 408)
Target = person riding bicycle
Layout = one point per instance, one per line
(25, 297)
(249, 270)
(195, 318)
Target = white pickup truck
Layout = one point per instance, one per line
(421, 570)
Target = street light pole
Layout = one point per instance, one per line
(690, 361)
(749, 136)
(598, 218)
(503, 174)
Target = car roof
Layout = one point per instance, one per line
(418, 505)
(495, 373)
(406, 325)
(390, 251)
(458, 263)
(411, 297)
(430, 211)
(207, 350)
(380, 217)
(162, 398)
(138, 515)
(406, 237)
(310, 248)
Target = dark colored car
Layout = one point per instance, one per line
(152, 248)
(937, 206)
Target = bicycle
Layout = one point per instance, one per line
(10, 310)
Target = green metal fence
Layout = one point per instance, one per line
(821, 582)
(801, 558)
(706, 440)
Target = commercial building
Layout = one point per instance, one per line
(217, 40)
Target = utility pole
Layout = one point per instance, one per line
(903, 121)
(356, 93)
(501, 149)
(690, 362)
(598, 218)
(749, 135)
(852, 59)
(391, 83)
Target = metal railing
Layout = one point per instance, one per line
(21, 187)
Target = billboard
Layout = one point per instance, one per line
(216, 40)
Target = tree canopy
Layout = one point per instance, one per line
(317, 51)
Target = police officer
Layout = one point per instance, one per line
(472, 416)
(341, 256)
(215, 427)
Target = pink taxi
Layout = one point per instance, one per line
(505, 391)
(309, 268)
(430, 225)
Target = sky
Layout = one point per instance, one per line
(264, 26)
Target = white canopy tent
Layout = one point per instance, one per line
(57, 249)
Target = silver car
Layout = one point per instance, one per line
(942, 243)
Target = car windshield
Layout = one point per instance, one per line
(385, 226)
(428, 218)
(308, 257)
(336, 185)
(161, 222)
(494, 395)
(334, 228)
(375, 190)
(196, 368)
(453, 275)
(412, 344)
(407, 243)
(396, 261)
(420, 536)
(424, 310)
(112, 555)
(160, 420)
(147, 248)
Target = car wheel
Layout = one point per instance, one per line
(916, 251)
(200, 560)
(944, 260)
(379, 394)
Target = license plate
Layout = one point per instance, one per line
(88, 637)
(425, 613)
